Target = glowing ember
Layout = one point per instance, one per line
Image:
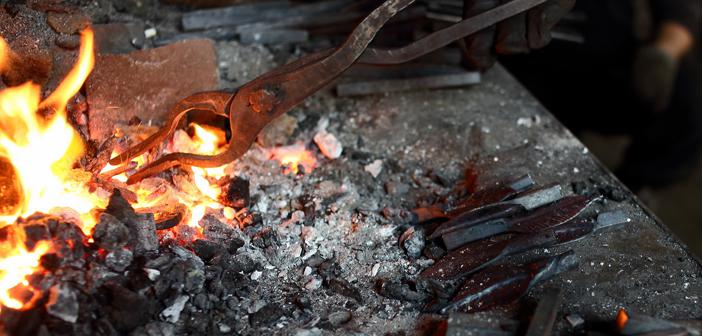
(293, 157)
(622, 319)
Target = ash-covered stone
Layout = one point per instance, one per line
(63, 303)
(110, 233)
(119, 259)
(413, 242)
(142, 228)
(126, 309)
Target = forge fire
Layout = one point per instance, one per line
(189, 167)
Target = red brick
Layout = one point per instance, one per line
(145, 84)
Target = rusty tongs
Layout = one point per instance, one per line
(258, 102)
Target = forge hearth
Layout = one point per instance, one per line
(315, 230)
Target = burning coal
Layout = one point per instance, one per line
(39, 150)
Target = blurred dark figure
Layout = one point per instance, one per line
(638, 71)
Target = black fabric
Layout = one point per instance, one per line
(588, 86)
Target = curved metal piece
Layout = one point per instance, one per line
(215, 102)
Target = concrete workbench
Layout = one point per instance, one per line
(641, 267)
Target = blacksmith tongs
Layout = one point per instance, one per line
(258, 102)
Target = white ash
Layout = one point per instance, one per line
(172, 313)
(374, 168)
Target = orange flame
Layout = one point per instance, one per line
(16, 263)
(42, 152)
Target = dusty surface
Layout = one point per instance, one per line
(640, 267)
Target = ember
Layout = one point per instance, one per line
(293, 157)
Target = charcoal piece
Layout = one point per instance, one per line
(50, 262)
(402, 290)
(10, 188)
(63, 303)
(343, 287)
(206, 249)
(236, 193)
(266, 237)
(202, 301)
(266, 315)
(35, 233)
(126, 309)
(110, 233)
(235, 244)
(433, 250)
(169, 221)
(413, 242)
(119, 259)
(142, 227)
(150, 81)
(233, 281)
(194, 279)
(242, 263)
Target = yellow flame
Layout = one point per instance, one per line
(76, 77)
(43, 151)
